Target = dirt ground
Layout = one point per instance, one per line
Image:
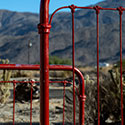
(22, 112)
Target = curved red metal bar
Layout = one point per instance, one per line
(78, 7)
(37, 67)
(97, 9)
(56, 12)
(54, 67)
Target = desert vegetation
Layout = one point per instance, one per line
(110, 107)
(110, 98)
(56, 60)
(4, 87)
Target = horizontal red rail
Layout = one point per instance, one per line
(19, 67)
(77, 7)
(37, 67)
(52, 67)
(32, 82)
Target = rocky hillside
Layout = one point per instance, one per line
(17, 29)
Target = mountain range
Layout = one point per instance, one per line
(18, 29)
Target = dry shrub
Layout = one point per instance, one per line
(5, 87)
(110, 108)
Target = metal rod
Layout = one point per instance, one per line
(97, 8)
(31, 102)
(64, 103)
(98, 68)
(78, 7)
(44, 30)
(56, 12)
(14, 84)
(121, 85)
(51, 67)
(19, 67)
(73, 60)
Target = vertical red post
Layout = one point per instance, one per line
(72, 7)
(44, 30)
(64, 102)
(97, 8)
(14, 84)
(120, 9)
(82, 99)
(31, 102)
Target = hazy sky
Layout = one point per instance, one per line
(33, 5)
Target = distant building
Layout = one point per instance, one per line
(104, 64)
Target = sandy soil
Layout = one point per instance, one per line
(22, 112)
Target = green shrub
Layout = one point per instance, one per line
(110, 99)
(123, 64)
(58, 61)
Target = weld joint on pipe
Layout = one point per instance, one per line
(120, 9)
(73, 7)
(14, 82)
(65, 82)
(44, 28)
(97, 8)
(82, 98)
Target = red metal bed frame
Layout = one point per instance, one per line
(51, 67)
(44, 30)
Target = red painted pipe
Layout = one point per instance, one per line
(64, 92)
(14, 84)
(54, 67)
(31, 95)
(37, 67)
(72, 7)
(120, 9)
(82, 88)
(44, 30)
(97, 9)
(19, 67)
